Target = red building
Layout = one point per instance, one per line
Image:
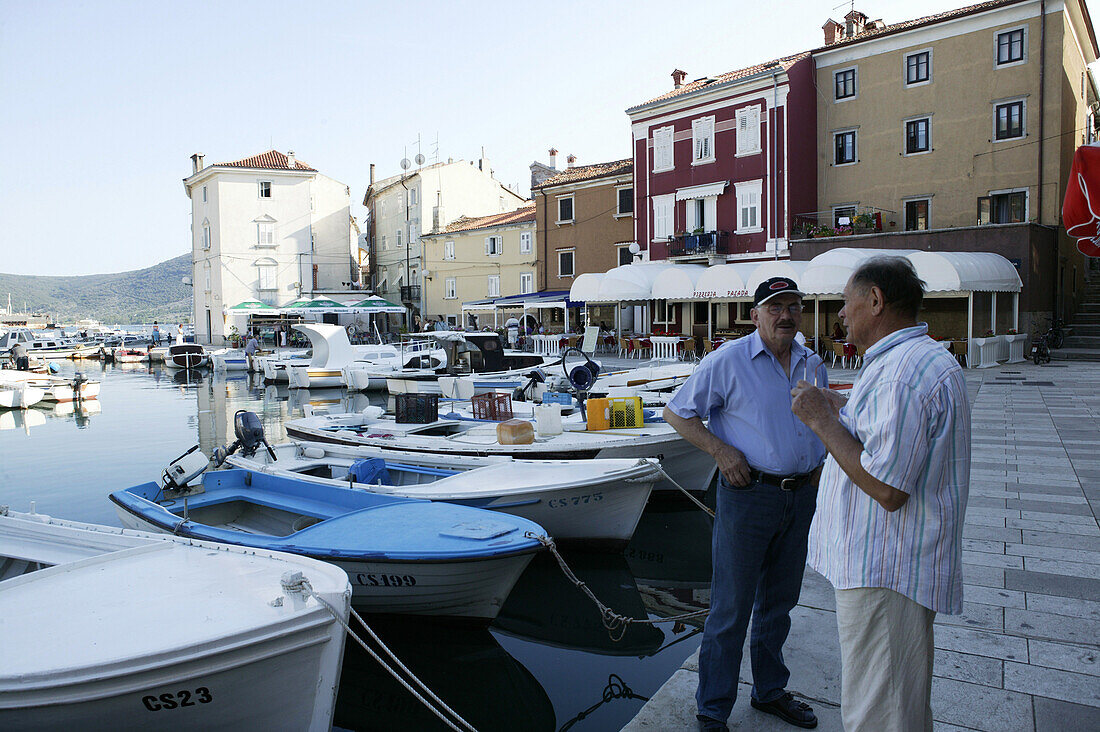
(721, 163)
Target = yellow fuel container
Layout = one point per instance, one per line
(598, 414)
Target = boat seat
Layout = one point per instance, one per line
(371, 471)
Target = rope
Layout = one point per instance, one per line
(685, 491)
(616, 689)
(615, 623)
(299, 584)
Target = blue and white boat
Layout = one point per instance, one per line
(403, 555)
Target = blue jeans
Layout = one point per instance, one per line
(758, 557)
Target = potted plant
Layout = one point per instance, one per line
(864, 223)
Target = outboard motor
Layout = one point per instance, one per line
(79, 379)
(181, 471)
(581, 377)
(520, 393)
(250, 435)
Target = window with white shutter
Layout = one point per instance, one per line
(662, 149)
(494, 286)
(205, 236)
(526, 283)
(525, 242)
(266, 271)
(748, 206)
(448, 250)
(662, 215)
(494, 246)
(702, 134)
(449, 289)
(265, 234)
(748, 130)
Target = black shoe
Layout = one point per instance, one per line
(709, 724)
(789, 709)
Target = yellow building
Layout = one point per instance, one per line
(477, 259)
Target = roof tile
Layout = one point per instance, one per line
(782, 64)
(272, 159)
(588, 172)
(521, 215)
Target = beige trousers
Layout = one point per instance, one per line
(886, 661)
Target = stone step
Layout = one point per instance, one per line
(1089, 307)
(1082, 342)
(1084, 329)
(1075, 354)
(1086, 319)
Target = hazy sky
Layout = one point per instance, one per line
(102, 103)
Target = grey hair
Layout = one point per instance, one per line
(902, 289)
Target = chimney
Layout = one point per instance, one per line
(832, 31)
(372, 174)
(290, 160)
(854, 22)
(678, 78)
(483, 162)
(554, 158)
(570, 161)
(196, 163)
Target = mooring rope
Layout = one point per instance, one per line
(685, 491)
(299, 584)
(615, 623)
(616, 689)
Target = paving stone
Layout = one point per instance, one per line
(981, 707)
(1053, 539)
(992, 533)
(1048, 490)
(968, 667)
(1077, 499)
(980, 642)
(1080, 556)
(983, 520)
(1053, 566)
(1055, 605)
(1062, 527)
(1028, 507)
(987, 559)
(975, 501)
(983, 545)
(974, 574)
(1052, 715)
(1075, 658)
(1052, 683)
(817, 592)
(993, 596)
(975, 615)
(1033, 624)
(1051, 584)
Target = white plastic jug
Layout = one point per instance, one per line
(548, 419)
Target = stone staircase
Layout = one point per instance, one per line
(1082, 342)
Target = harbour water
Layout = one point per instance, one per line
(546, 662)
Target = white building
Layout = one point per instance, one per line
(404, 207)
(267, 228)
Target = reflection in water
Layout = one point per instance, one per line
(188, 377)
(21, 419)
(546, 607)
(464, 666)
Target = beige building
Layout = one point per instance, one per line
(481, 258)
(963, 120)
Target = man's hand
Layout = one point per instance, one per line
(733, 466)
(814, 405)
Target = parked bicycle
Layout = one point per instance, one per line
(1055, 337)
(1040, 353)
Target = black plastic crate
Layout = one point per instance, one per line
(417, 408)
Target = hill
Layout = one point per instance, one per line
(138, 296)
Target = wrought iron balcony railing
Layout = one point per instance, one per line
(702, 245)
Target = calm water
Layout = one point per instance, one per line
(545, 661)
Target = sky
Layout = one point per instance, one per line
(103, 103)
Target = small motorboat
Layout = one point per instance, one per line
(186, 356)
(333, 353)
(55, 388)
(105, 629)
(229, 359)
(273, 365)
(43, 344)
(403, 555)
(129, 355)
(20, 396)
(591, 501)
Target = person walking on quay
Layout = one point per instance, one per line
(768, 463)
(888, 531)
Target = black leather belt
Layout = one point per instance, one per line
(786, 482)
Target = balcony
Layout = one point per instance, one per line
(690, 246)
(410, 293)
(851, 221)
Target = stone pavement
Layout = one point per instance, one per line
(1023, 656)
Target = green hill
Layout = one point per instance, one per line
(138, 296)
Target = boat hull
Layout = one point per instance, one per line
(20, 397)
(301, 377)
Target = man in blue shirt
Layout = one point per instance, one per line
(769, 464)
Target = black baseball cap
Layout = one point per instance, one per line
(769, 288)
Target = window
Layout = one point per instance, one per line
(662, 149)
(1009, 207)
(265, 189)
(206, 275)
(700, 213)
(918, 68)
(494, 286)
(206, 236)
(626, 201)
(526, 283)
(412, 196)
(565, 263)
(448, 250)
(625, 257)
(748, 206)
(525, 242)
(917, 135)
(662, 215)
(845, 82)
(383, 242)
(565, 210)
(397, 239)
(204, 194)
(494, 246)
(450, 291)
(748, 130)
(844, 147)
(1008, 121)
(843, 215)
(916, 214)
(702, 136)
(1010, 47)
(265, 234)
(266, 270)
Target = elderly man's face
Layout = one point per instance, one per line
(856, 313)
(778, 328)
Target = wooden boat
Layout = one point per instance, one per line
(109, 629)
(403, 555)
(20, 396)
(590, 501)
(687, 465)
(56, 388)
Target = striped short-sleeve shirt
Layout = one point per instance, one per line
(909, 409)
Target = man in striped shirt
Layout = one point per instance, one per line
(888, 529)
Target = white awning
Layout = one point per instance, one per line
(725, 282)
(827, 273)
(586, 287)
(776, 268)
(703, 191)
(678, 283)
(629, 283)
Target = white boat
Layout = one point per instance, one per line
(20, 396)
(273, 365)
(684, 463)
(333, 352)
(42, 345)
(110, 629)
(590, 501)
(229, 359)
(56, 388)
(186, 356)
(481, 355)
(127, 355)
